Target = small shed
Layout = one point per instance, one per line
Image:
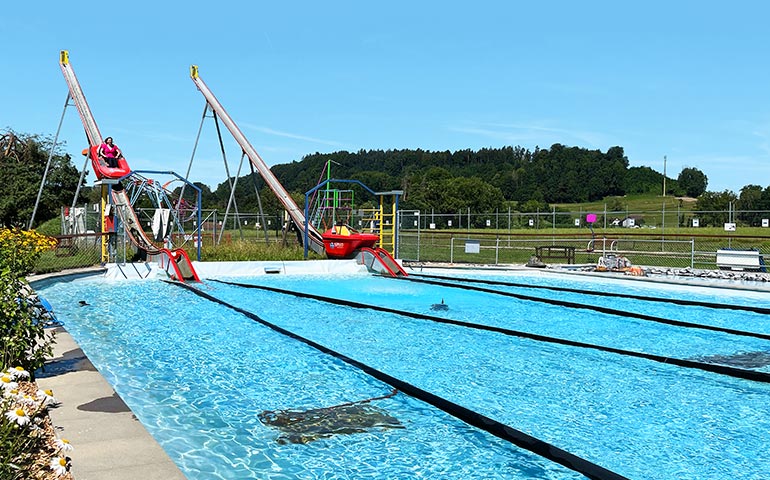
(630, 222)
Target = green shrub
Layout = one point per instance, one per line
(23, 336)
(20, 249)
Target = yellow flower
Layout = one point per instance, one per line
(46, 396)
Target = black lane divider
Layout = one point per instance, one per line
(478, 420)
(595, 308)
(708, 367)
(675, 301)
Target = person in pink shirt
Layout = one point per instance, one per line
(109, 153)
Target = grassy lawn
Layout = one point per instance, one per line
(445, 243)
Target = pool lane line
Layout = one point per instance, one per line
(676, 301)
(595, 308)
(708, 367)
(471, 417)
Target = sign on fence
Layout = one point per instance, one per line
(472, 246)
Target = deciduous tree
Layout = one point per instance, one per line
(692, 181)
(23, 163)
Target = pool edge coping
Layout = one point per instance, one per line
(109, 440)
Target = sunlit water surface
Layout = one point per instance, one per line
(197, 375)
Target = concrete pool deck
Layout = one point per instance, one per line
(108, 440)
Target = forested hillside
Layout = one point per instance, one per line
(483, 179)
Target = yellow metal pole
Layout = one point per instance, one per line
(105, 237)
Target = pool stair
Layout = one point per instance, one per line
(380, 261)
(163, 265)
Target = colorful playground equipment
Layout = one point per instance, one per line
(372, 243)
(333, 210)
(339, 239)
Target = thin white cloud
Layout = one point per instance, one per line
(269, 42)
(278, 133)
(763, 133)
(153, 135)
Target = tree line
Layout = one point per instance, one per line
(489, 179)
(482, 180)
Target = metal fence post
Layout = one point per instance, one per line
(692, 253)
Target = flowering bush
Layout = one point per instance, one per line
(28, 445)
(23, 336)
(27, 448)
(21, 249)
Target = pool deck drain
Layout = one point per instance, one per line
(110, 442)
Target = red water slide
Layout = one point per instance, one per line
(178, 260)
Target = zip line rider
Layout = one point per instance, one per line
(109, 153)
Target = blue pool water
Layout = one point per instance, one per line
(197, 374)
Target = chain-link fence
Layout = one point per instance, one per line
(509, 220)
(674, 251)
(663, 238)
(653, 238)
(72, 251)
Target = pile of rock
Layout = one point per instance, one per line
(712, 274)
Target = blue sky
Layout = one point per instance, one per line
(683, 79)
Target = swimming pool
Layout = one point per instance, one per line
(197, 375)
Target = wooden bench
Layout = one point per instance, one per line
(556, 251)
(748, 260)
(66, 247)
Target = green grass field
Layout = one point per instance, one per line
(521, 238)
